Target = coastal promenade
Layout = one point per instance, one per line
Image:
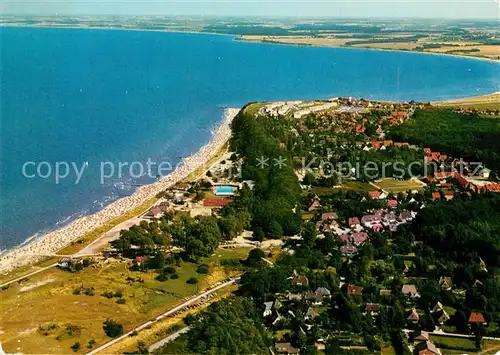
(54, 241)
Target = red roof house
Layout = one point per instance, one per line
(216, 202)
(476, 317)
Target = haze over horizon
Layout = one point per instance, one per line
(449, 9)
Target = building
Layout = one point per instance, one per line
(286, 348)
(413, 316)
(427, 348)
(354, 290)
(216, 202)
(410, 291)
(476, 317)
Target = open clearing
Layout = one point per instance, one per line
(491, 102)
(396, 186)
(52, 317)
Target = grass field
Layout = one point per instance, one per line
(396, 186)
(450, 345)
(358, 186)
(491, 102)
(50, 303)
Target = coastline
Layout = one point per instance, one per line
(53, 241)
(238, 38)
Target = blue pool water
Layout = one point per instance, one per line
(224, 190)
(92, 96)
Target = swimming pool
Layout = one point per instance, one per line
(224, 190)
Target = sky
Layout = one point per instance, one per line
(477, 9)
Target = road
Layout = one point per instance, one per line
(161, 316)
(168, 339)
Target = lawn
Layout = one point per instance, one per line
(358, 186)
(396, 186)
(453, 343)
(53, 306)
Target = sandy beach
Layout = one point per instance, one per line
(56, 240)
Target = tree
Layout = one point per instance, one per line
(275, 230)
(112, 328)
(254, 258)
(76, 346)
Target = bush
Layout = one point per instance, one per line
(189, 319)
(192, 281)
(77, 291)
(86, 262)
(162, 277)
(202, 269)
(169, 270)
(88, 291)
(174, 276)
(75, 346)
(121, 301)
(91, 344)
(230, 263)
(112, 328)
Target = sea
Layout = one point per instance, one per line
(93, 99)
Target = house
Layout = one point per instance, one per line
(476, 317)
(182, 186)
(436, 196)
(348, 250)
(329, 216)
(374, 195)
(449, 195)
(294, 296)
(316, 299)
(311, 314)
(141, 259)
(372, 308)
(427, 348)
(482, 265)
(445, 282)
(390, 218)
(354, 290)
(359, 238)
(300, 280)
(377, 227)
(438, 307)
(216, 202)
(392, 203)
(410, 291)
(164, 206)
(441, 317)
(485, 173)
(314, 205)
(154, 212)
(268, 309)
(405, 216)
(421, 335)
(353, 222)
(413, 316)
(286, 348)
(385, 293)
(323, 291)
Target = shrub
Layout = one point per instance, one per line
(192, 281)
(77, 291)
(174, 276)
(162, 277)
(120, 301)
(112, 328)
(86, 262)
(88, 291)
(91, 344)
(75, 346)
(202, 269)
(169, 270)
(189, 319)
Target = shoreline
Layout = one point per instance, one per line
(55, 240)
(238, 38)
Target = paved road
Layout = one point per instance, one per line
(161, 316)
(168, 339)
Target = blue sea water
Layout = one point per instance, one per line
(82, 96)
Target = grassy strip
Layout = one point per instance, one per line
(88, 238)
(453, 343)
(196, 174)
